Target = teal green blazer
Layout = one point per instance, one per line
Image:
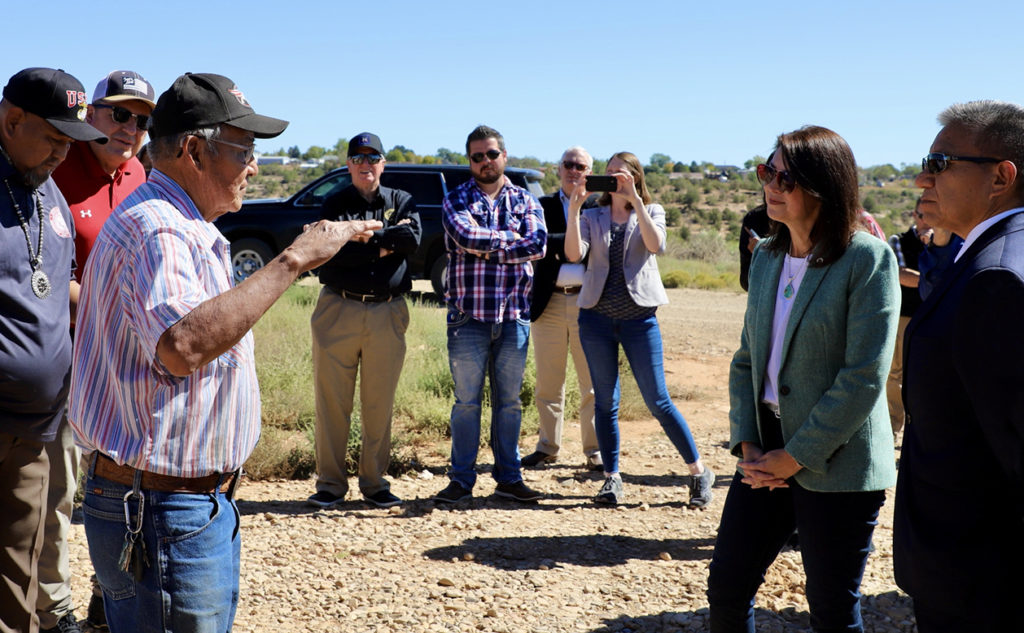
(837, 352)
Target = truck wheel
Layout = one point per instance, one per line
(438, 275)
(247, 256)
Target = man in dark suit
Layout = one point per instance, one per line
(959, 525)
(553, 311)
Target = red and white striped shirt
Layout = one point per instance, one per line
(156, 260)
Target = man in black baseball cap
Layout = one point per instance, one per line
(40, 114)
(184, 335)
(197, 100)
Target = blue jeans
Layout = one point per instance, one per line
(835, 538)
(640, 339)
(498, 351)
(193, 547)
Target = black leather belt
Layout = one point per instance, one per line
(569, 290)
(355, 296)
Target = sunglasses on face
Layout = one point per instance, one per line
(250, 150)
(123, 115)
(359, 159)
(784, 181)
(491, 154)
(571, 166)
(937, 162)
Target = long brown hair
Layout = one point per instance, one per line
(636, 170)
(823, 165)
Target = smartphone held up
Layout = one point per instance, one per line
(602, 183)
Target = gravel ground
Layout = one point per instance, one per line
(562, 564)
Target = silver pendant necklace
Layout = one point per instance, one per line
(40, 283)
(789, 291)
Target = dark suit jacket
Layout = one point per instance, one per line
(545, 272)
(959, 524)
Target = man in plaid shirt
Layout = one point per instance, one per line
(493, 230)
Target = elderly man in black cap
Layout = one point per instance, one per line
(359, 326)
(164, 389)
(43, 110)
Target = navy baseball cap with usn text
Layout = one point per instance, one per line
(55, 96)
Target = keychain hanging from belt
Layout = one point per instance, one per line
(133, 559)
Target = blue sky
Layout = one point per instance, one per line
(708, 81)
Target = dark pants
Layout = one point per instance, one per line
(835, 538)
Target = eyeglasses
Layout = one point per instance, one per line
(123, 115)
(250, 150)
(359, 159)
(571, 166)
(784, 180)
(937, 162)
(491, 154)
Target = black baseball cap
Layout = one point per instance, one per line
(197, 100)
(55, 96)
(124, 85)
(364, 139)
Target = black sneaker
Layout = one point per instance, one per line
(517, 491)
(594, 463)
(700, 488)
(383, 499)
(324, 499)
(96, 615)
(537, 458)
(67, 624)
(453, 493)
(611, 492)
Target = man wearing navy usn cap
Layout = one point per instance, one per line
(42, 112)
(359, 327)
(163, 390)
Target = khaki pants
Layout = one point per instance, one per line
(348, 335)
(24, 470)
(894, 385)
(555, 334)
(54, 601)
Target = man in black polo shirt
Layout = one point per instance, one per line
(360, 321)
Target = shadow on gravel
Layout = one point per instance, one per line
(592, 550)
(890, 612)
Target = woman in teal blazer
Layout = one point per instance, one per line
(808, 414)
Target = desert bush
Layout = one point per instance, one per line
(706, 246)
(672, 215)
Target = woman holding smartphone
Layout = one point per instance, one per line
(621, 292)
(808, 418)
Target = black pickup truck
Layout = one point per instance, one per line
(263, 228)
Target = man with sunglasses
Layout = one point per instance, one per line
(163, 386)
(555, 328)
(359, 327)
(959, 512)
(94, 178)
(493, 230)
